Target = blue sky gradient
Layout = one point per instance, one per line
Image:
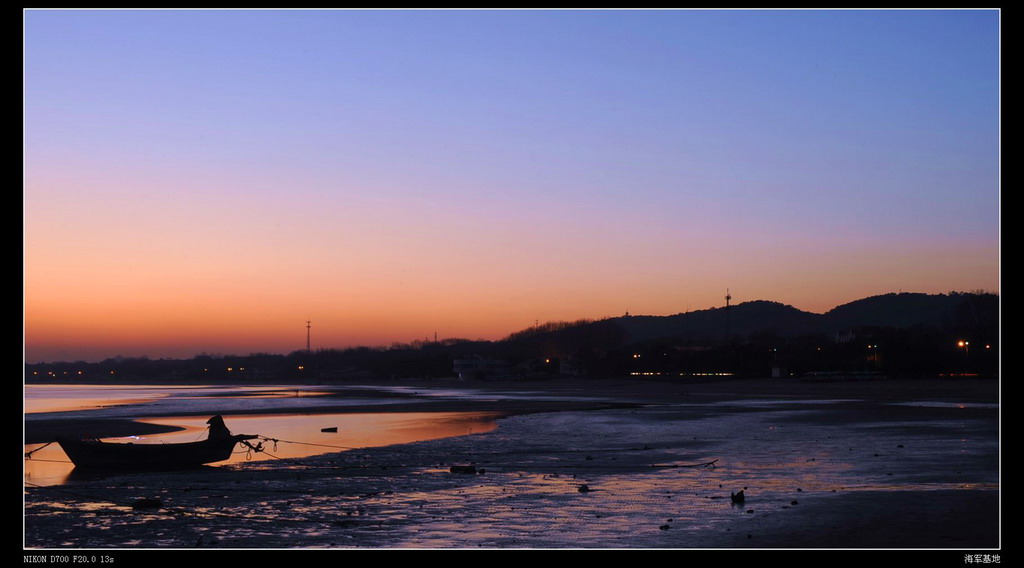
(581, 162)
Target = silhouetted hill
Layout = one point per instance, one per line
(896, 310)
(711, 325)
(918, 334)
(761, 317)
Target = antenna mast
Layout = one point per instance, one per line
(307, 336)
(728, 297)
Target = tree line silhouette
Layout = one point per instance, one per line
(905, 335)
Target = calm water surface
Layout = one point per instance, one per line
(295, 434)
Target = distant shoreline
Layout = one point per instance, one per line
(607, 393)
(532, 381)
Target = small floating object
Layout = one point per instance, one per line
(738, 497)
(583, 488)
(462, 469)
(331, 429)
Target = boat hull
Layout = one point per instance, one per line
(94, 454)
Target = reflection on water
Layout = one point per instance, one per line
(297, 435)
(294, 436)
(65, 398)
(935, 404)
(300, 435)
(793, 466)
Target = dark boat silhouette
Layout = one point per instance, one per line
(96, 454)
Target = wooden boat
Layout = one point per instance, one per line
(96, 454)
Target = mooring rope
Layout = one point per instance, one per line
(276, 440)
(258, 448)
(28, 455)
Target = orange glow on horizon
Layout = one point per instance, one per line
(144, 286)
(466, 174)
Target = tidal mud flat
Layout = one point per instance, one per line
(880, 464)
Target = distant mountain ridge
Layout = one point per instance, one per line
(896, 310)
(921, 335)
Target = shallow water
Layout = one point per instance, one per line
(70, 398)
(293, 435)
(106, 401)
(837, 473)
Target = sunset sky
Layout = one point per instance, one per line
(207, 181)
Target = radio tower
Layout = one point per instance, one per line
(307, 336)
(728, 297)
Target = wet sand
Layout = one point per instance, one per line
(858, 465)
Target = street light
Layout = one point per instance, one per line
(873, 353)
